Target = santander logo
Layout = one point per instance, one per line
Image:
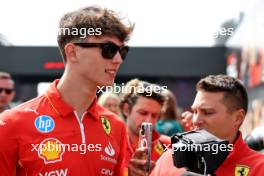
(109, 150)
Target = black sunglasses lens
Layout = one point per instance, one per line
(109, 50)
(123, 52)
(7, 91)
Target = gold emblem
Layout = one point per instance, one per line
(106, 125)
(158, 148)
(241, 170)
(50, 150)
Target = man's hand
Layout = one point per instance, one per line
(138, 165)
(187, 120)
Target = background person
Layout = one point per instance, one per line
(142, 102)
(220, 107)
(110, 101)
(7, 91)
(255, 140)
(169, 122)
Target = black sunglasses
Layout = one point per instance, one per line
(109, 49)
(6, 90)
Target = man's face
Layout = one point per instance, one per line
(6, 96)
(93, 67)
(112, 104)
(210, 113)
(145, 110)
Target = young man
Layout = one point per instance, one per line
(142, 102)
(220, 107)
(65, 132)
(7, 92)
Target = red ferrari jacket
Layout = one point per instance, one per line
(241, 161)
(45, 137)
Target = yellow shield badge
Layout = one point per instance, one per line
(106, 125)
(241, 170)
(159, 148)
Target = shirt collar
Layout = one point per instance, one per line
(61, 107)
(238, 143)
(238, 147)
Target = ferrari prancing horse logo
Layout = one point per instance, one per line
(241, 170)
(106, 125)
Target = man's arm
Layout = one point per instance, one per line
(137, 166)
(165, 167)
(8, 145)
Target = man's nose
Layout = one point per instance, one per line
(148, 118)
(117, 58)
(198, 120)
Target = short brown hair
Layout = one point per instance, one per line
(136, 88)
(170, 112)
(92, 17)
(235, 94)
(5, 75)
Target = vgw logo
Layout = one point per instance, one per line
(44, 124)
(61, 172)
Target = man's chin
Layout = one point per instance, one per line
(105, 84)
(108, 83)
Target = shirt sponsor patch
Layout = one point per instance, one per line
(59, 172)
(159, 148)
(44, 123)
(50, 150)
(106, 125)
(107, 172)
(241, 170)
(109, 150)
(108, 159)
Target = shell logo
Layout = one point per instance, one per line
(50, 150)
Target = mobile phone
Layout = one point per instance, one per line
(145, 140)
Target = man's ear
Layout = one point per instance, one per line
(13, 95)
(70, 52)
(239, 117)
(125, 109)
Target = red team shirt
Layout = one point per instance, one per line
(242, 161)
(47, 138)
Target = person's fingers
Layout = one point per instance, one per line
(187, 120)
(139, 166)
(136, 167)
(132, 171)
(138, 162)
(140, 153)
(184, 113)
(187, 114)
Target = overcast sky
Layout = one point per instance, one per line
(157, 23)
